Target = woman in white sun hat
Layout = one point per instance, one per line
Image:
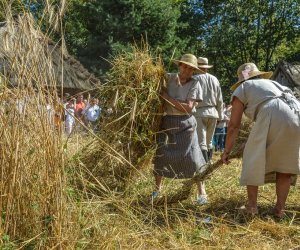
(178, 153)
(272, 152)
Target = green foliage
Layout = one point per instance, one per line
(228, 33)
(6, 243)
(235, 32)
(15, 6)
(289, 51)
(97, 29)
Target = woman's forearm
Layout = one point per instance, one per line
(234, 124)
(180, 106)
(232, 133)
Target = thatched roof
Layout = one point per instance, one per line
(66, 71)
(287, 74)
(75, 75)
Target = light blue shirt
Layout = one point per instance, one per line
(92, 113)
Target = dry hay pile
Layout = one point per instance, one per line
(127, 138)
(32, 180)
(32, 177)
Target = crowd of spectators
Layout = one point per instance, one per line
(79, 114)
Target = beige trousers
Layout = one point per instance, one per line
(205, 130)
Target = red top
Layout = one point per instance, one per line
(79, 107)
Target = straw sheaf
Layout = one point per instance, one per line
(32, 168)
(132, 91)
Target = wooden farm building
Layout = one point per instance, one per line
(288, 74)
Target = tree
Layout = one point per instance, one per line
(96, 29)
(235, 31)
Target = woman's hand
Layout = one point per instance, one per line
(224, 157)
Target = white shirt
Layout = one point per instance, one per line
(70, 113)
(212, 104)
(92, 113)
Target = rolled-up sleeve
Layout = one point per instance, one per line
(240, 93)
(195, 92)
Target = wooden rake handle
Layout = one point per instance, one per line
(185, 191)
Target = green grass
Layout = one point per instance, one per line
(119, 221)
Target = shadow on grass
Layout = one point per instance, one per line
(233, 209)
(222, 210)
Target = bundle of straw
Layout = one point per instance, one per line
(134, 83)
(32, 203)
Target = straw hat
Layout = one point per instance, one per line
(247, 71)
(189, 60)
(203, 63)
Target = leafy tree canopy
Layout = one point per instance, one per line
(236, 31)
(228, 33)
(97, 29)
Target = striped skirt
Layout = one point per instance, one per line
(178, 154)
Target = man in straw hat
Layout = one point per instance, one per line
(272, 151)
(208, 112)
(178, 154)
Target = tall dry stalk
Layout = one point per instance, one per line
(32, 180)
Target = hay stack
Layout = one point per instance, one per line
(32, 180)
(127, 138)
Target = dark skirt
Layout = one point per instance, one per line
(178, 154)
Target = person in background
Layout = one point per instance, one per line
(79, 107)
(66, 97)
(70, 116)
(86, 102)
(214, 140)
(220, 132)
(65, 101)
(208, 112)
(178, 154)
(272, 151)
(92, 114)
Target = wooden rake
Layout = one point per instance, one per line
(206, 172)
